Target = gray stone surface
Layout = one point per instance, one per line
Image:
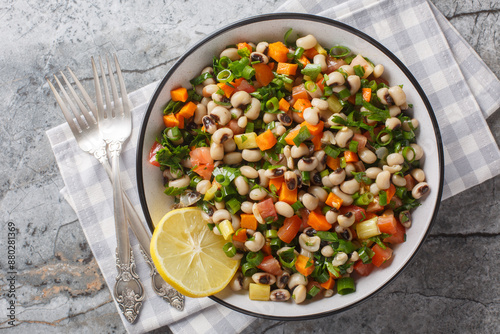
(451, 286)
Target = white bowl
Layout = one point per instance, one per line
(272, 27)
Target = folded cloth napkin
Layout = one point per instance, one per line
(460, 87)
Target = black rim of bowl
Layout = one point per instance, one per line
(307, 17)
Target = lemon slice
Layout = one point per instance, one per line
(189, 256)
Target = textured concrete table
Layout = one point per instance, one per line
(451, 286)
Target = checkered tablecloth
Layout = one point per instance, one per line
(460, 87)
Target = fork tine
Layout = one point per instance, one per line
(108, 111)
(67, 115)
(98, 93)
(84, 92)
(85, 112)
(123, 90)
(71, 105)
(117, 107)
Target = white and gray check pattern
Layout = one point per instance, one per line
(460, 87)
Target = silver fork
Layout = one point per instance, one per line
(84, 126)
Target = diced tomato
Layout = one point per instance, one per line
(267, 210)
(374, 206)
(289, 229)
(363, 269)
(399, 236)
(387, 224)
(359, 213)
(201, 156)
(271, 265)
(152, 154)
(205, 171)
(361, 140)
(233, 125)
(333, 63)
(381, 255)
(245, 86)
(304, 213)
(299, 92)
(410, 182)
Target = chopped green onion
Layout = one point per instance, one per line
(250, 127)
(297, 205)
(374, 113)
(313, 292)
(311, 70)
(343, 163)
(247, 269)
(364, 199)
(298, 53)
(339, 51)
(272, 104)
(382, 197)
(382, 133)
(324, 173)
(345, 246)
(353, 146)
(332, 151)
(359, 99)
(288, 258)
(225, 76)
(345, 285)
(194, 181)
(248, 72)
(406, 150)
(202, 77)
(233, 206)
(328, 236)
(271, 234)
(229, 249)
(287, 34)
(344, 94)
(359, 70)
(254, 258)
(306, 176)
(302, 136)
(365, 254)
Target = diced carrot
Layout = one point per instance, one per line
(314, 129)
(287, 68)
(283, 105)
(302, 104)
(390, 192)
(318, 221)
(288, 196)
(304, 265)
(179, 94)
(266, 140)
(328, 285)
(333, 163)
(170, 121)
(277, 183)
(310, 53)
(228, 90)
(303, 60)
(290, 136)
(318, 145)
(263, 74)
(334, 201)
(181, 120)
(243, 46)
(187, 110)
(299, 92)
(278, 51)
(240, 235)
(350, 156)
(248, 221)
(367, 94)
(271, 65)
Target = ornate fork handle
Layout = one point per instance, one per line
(162, 288)
(128, 291)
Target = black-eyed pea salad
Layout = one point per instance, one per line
(302, 157)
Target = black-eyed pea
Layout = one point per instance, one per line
(346, 220)
(262, 47)
(249, 172)
(282, 280)
(328, 138)
(222, 135)
(384, 96)
(251, 155)
(220, 215)
(236, 113)
(241, 185)
(221, 114)
(398, 180)
(242, 122)
(392, 123)
(180, 183)
(405, 218)
(354, 256)
(217, 151)
(210, 106)
(418, 174)
(343, 136)
(264, 278)
(392, 169)
(319, 103)
(311, 115)
(395, 159)
(201, 110)
(355, 83)
(325, 180)
(310, 201)
(350, 186)
(398, 95)
(284, 209)
(320, 59)
(419, 152)
(253, 112)
(339, 259)
(232, 158)
(306, 42)
(280, 295)
(372, 172)
(319, 192)
(297, 118)
(374, 189)
(247, 207)
(205, 101)
(269, 117)
(394, 111)
(349, 169)
(299, 151)
(231, 53)
(347, 199)
(203, 186)
(383, 180)
(335, 79)
(327, 251)
(236, 283)
(331, 216)
(285, 119)
(420, 189)
(229, 145)
(308, 243)
(208, 90)
(263, 179)
(209, 123)
(257, 194)
(299, 294)
(257, 243)
(259, 57)
(199, 89)
(378, 70)
(307, 164)
(367, 156)
(337, 176)
(347, 69)
(328, 293)
(279, 129)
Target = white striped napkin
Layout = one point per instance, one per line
(460, 87)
